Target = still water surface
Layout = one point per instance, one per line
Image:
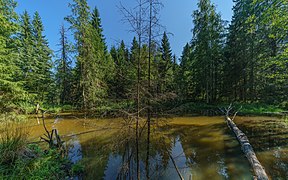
(199, 147)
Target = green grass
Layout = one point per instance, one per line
(18, 160)
(258, 109)
(35, 163)
(244, 108)
(12, 143)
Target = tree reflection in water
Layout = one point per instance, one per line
(199, 150)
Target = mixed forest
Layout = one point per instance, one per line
(244, 61)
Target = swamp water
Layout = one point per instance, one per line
(199, 147)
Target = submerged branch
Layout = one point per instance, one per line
(174, 164)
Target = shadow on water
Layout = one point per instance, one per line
(269, 137)
(195, 147)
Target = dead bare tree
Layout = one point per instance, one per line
(135, 19)
(153, 21)
(144, 21)
(53, 139)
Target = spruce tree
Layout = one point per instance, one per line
(11, 91)
(184, 74)
(64, 69)
(42, 55)
(96, 23)
(123, 81)
(92, 61)
(240, 60)
(206, 55)
(165, 66)
(269, 24)
(255, 51)
(28, 63)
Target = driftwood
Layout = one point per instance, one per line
(246, 147)
(57, 143)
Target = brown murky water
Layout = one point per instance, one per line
(201, 147)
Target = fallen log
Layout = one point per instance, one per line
(247, 149)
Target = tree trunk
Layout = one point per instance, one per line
(246, 147)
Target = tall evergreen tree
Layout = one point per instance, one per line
(96, 23)
(11, 91)
(79, 21)
(165, 66)
(106, 64)
(240, 59)
(123, 80)
(35, 56)
(269, 24)
(255, 53)
(91, 60)
(42, 56)
(184, 74)
(27, 61)
(206, 57)
(64, 69)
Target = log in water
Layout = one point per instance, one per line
(246, 147)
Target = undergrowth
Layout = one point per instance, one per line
(20, 160)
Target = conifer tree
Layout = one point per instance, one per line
(64, 69)
(123, 75)
(207, 44)
(27, 63)
(42, 55)
(165, 66)
(91, 58)
(11, 91)
(184, 74)
(35, 56)
(239, 54)
(255, 53)
(96, 23)
(269, 24)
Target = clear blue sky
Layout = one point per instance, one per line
(175, 16)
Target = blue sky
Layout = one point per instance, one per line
(175, 16)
